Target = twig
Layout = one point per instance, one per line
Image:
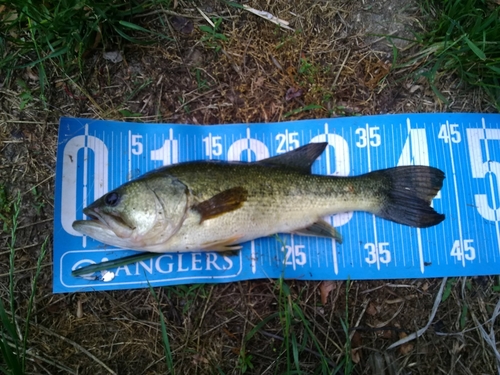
(206, 17)
(421, 331)
(268, 16)
(25, 270)
(490, 338)
(341, 68)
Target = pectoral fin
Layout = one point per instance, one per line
(321, 229)
(224, 246)
(226, 201)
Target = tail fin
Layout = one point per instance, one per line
(410, 192)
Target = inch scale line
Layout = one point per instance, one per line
(85, 176)
(415, 143)
(328, 172)
(374, 219)
(253, 256)
(455, 186)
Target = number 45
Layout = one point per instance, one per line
(463, 250)
(449, 132)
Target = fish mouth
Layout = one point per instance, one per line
(105, 222)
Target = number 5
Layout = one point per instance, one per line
(480, 168)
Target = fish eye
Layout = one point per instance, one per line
(112, 199)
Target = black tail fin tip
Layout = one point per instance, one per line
(410, 190)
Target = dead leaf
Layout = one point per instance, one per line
(79, 309)
(425, 287)
(31, 75)
(198, 358)
(226, 331)
(371, 309)
(325, 288)
(405, 348)
(259, 82)
(356, 355)
(113, 56)
(357, 340)
(385, 334)
(292, 93)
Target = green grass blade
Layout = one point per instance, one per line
(129, 38)
(295, 352)
(166, 342)
(259, 326)
(32, 298)
(53, 55)
(494, 68)
(475, 49)
(133, 26)
(9, 333)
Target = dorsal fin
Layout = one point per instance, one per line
(300, 159)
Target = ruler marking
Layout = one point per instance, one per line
(435, 150)
(249, 152)
(374, 219)
(329, 172)
(252, 257)
(461, 183)
(474, 217)
(415, 150)
(129, 175)
(85, 177)
(457, 199)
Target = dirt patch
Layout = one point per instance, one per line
(327, 67)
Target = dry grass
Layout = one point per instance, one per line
(327, 60)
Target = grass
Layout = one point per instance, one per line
(13, 344)
(34, 34)
(463, 38)
(166, 342)
(212, 37)
(348, 364)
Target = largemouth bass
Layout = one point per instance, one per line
(215, 205)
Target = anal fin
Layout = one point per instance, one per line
(321, 229)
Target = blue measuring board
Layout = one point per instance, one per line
(96, 156)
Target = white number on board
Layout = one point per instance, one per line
(70, 171)
(378, 252)
(213, 145)
(449, 133)
(464, 250)
(168, 153)
(136, 144)
(485, 169)
(235, 151)
(287, 142)
(368, 135)
(295, 255)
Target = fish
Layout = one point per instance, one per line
(219, 205)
